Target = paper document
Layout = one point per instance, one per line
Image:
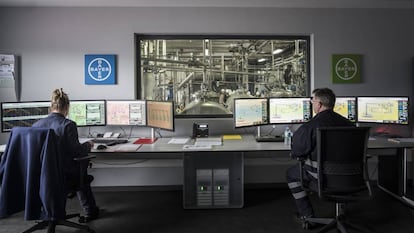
(197, 147)
(2, 148)
(127, 147)
(401, 140)
(178, 140)
(210, 141)
(83, 140)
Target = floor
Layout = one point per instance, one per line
(269, 210)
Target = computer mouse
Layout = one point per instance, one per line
(101, 147)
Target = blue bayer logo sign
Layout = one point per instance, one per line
(99, 69)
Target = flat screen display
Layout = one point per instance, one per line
(346, 107)
(160, 114)
(87, 112)
(289, 110)
(126, 112)
(22, 113)
(250, 112)
(388, 110)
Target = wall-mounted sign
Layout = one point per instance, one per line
(346, 68)
(100, 69)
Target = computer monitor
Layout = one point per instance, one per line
(126, 112)
(22, 113)
(250, 112)
(87, 112)
(160, 114)
(388, 110)
(346, 107)
(289, 110)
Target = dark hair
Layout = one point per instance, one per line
(326, 96)
(60, 100)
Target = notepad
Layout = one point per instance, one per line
(232, 137)
(145, 141)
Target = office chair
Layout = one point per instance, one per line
(31, 179)
(342, 173)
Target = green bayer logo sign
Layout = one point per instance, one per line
(346, 68)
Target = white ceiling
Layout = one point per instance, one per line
(213, 3)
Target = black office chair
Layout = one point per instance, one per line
(342, 173)
(31, 179)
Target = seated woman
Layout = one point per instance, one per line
(67, 132)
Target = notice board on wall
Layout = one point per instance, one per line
(9, 84)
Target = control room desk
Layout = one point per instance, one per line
(221, 168)
(392, 167)
(213, 178)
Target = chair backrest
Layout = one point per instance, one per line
(31, 175)
(341, 155)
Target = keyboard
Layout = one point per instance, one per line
(110, 141)
(269, 138)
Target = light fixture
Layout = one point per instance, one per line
(261, 59)
(277, 51)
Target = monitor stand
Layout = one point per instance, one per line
(267, 138)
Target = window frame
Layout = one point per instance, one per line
(138, 62)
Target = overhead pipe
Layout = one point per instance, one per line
(185, 80)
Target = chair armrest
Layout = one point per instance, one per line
(301, 162)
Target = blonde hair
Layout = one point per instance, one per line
(60, 101)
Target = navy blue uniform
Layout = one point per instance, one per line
(67, 132)
(304, 147)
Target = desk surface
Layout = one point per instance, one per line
(246, 143)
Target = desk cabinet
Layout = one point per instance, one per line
(213, 180)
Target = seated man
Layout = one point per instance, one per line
(304, 147)
(67, 132)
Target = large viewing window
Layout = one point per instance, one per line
(204, 74)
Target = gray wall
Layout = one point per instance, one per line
(51, 44)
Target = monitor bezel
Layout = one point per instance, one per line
(382, 123)
(171, 103)
(294, 122)
(3, 130)
(252, 98)
(130, 101)
(89, 100)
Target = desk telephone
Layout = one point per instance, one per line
(200, 130)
